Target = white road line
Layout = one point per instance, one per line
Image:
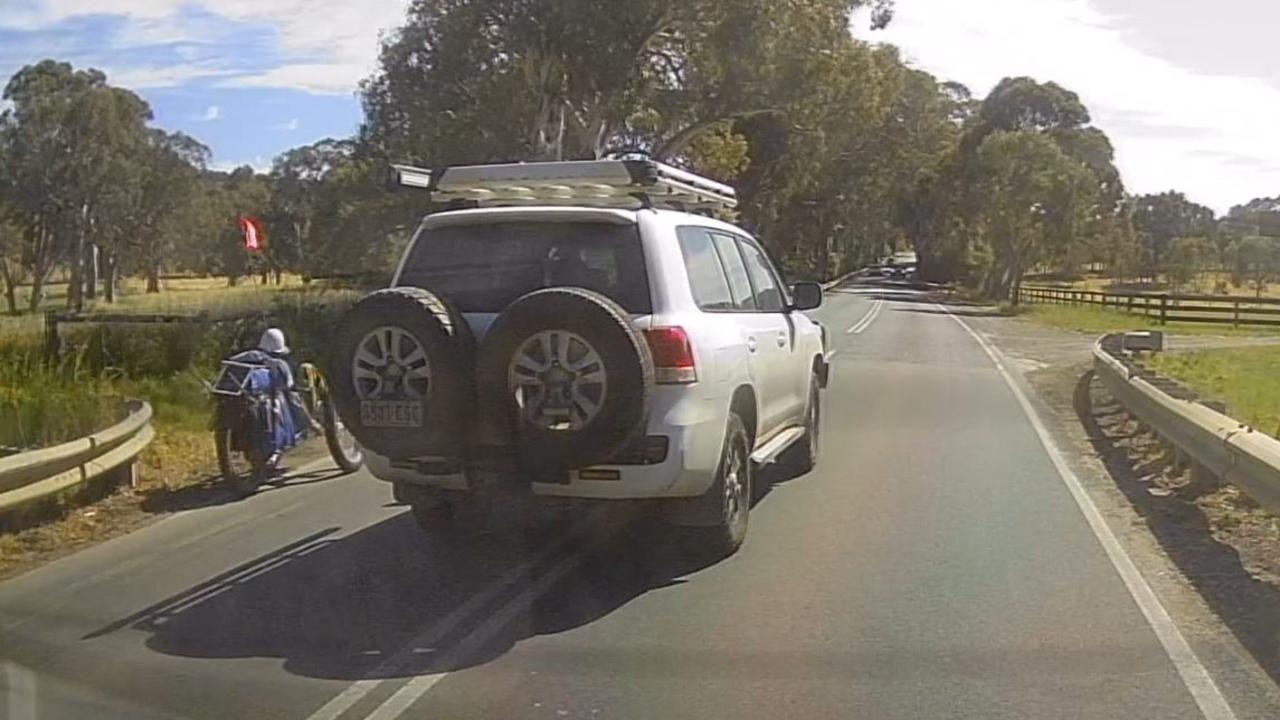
(1193, 672)
(20, 687)
(433, 634)
(861, 326)
(404, 698)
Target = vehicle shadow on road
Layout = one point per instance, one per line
(1248, 606)
(342, 607)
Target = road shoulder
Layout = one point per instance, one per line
(1051, 364)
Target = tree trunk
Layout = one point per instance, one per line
(91, 271)
(109, 276)
(153, 278)
(75, 258)
(37, 293)
(10, 288)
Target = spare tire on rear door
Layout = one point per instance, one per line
(566, 372)
(401, 376)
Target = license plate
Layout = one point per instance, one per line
(391, 414)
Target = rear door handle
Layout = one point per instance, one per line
(783, 338)
(751, 343)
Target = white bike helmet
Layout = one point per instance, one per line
(273, 342)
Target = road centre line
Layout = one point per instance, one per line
(1205, 692)
(342, 702)
(404, 698)
(861, 326)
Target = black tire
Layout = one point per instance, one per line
(733, 490)
(340, 441)
(443, 399)
(243, 480)
(571, 320)
(802, 457)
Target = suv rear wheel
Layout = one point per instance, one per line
(565, 374)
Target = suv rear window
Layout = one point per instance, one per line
(483, 268)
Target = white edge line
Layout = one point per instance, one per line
(404, 698)
(1194, 675)
(21, 686)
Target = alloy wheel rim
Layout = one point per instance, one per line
(559, 380)
(391, 363)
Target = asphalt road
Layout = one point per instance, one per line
(935, 565)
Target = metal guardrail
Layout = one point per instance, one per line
(31, 476)
(1223, 446)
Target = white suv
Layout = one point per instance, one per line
(582, 350)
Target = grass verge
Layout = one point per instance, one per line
(1246, 379)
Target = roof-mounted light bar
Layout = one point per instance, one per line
(593, 183)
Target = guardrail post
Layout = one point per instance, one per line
(1164, 309)
(1235, 321)
(1204, 479)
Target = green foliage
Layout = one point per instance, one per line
(1257, 261)
(1188, 257)
(1159, 219)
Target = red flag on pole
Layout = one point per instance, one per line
(254, 239)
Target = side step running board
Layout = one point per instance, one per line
(770, 451)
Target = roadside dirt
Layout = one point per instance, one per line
(1210, 553)
(104, 512)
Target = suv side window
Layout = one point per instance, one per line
(706, 275)
(768, 293)
(735, 271)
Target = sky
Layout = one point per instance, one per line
(1189, 91)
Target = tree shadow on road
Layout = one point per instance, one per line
(391, 601)
(957, 310)
(1248, 606)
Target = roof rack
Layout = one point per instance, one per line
(592, 183)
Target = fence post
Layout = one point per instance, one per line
(1235, 322)
(1164, 309)
(1129, 306)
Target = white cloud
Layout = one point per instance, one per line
(319, 46)
(258, 163)
(317, 78)
(1211, 136)
(289, 126)
(211, 113)
(159, 77)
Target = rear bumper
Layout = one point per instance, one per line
(695, 435)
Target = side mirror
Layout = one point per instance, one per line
(806, 296)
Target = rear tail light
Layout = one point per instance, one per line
(672, 356)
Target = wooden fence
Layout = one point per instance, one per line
(1165, 308)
